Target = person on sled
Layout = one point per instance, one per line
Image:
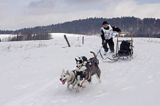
(107, 34)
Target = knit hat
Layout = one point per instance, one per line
(104, 23)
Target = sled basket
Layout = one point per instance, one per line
(125, 48)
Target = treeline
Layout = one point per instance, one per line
(27, 36)
(147, 27)
(24, 37)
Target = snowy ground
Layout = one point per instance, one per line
(30, 71)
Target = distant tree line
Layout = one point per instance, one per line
(147, 27)
(31, 36)
(28, 36)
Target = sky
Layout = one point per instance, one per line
(16, 14)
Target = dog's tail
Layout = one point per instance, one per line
(95, 59)
(93, 54)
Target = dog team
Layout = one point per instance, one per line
(82, 74)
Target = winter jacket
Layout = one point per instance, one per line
(106, 33)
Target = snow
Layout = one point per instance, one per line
(6, 37)
(30, 72)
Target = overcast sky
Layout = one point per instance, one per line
(15, 14)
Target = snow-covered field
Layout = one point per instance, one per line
(30, 71)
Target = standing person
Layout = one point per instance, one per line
(107, 36)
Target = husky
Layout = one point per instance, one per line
(70, 77)
(92, 66)
(81, 61)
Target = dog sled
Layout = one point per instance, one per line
(124, 49)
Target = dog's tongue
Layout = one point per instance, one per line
(63, 82)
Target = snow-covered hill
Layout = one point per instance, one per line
(30, 71)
